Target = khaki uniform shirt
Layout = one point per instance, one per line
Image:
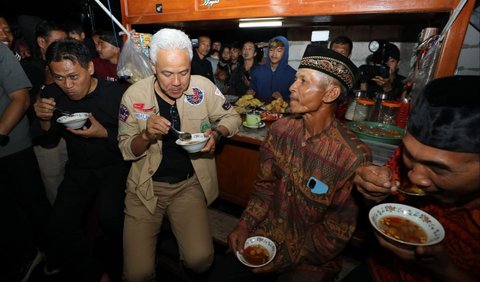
(200, 106)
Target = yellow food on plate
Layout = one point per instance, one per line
(277, 106)
(240, 110)
(248, 100)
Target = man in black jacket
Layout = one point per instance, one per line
(200, 64)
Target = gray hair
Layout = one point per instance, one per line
(170, 39)
(330, 80)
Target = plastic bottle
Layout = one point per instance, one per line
(363, 109)
(352, 103)
(404, 110)
(388, 112)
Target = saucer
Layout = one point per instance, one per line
(260, 125)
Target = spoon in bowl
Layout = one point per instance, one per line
(63, 112)
(184, 136)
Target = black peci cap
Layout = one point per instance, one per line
(331, 63)
(447, 114)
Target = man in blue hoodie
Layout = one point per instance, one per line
(273, 79)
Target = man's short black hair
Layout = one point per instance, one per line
(68, 49)
(342, 39)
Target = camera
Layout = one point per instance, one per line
(377, 62)
(368, 72)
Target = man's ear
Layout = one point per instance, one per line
(332, 94)
(91, 68)
(41, 42)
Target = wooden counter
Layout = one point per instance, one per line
(238, 164)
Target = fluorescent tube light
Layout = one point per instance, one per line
(261, 19)
(260, 23)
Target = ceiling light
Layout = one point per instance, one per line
(261, 19)
(260, 23)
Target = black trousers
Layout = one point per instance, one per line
(24, 211)
(84, 189)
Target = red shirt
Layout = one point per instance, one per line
(104, 69)
(462, 237)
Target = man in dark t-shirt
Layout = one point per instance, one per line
(200, 64)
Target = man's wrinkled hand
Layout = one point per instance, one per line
(374, 182)
(237, 238)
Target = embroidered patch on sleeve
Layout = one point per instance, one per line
(226, 105)
(218, 92)
(123, 113)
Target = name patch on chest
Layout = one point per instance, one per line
(142, 116)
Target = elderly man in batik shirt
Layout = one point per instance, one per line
(301, 198)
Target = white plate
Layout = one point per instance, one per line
(260, 125)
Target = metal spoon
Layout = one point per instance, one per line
(412, 191)
(184, 136)
(63, 112)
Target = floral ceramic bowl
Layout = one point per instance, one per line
(406, 226)
(258, 251)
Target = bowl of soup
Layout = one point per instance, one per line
(195, 144)
(258, 251)
(74, 121)
(406, 226)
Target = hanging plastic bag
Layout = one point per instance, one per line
(133, 64)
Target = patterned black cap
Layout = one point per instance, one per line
(330, 62)
(447, 114)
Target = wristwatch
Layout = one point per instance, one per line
(4, 139)
(220, 136)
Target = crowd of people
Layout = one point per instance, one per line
(121, 175)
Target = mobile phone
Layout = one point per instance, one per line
(317, 186)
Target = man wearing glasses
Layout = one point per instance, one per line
(165, 179)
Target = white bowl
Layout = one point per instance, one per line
(195, 144)
(433, 229)
(266, 243)
(74, 121)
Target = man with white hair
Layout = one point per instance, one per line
(165, 179)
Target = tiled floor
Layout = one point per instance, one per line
(222, 222)
(223, 218)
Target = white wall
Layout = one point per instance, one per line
(359, 54)
(469, 61)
